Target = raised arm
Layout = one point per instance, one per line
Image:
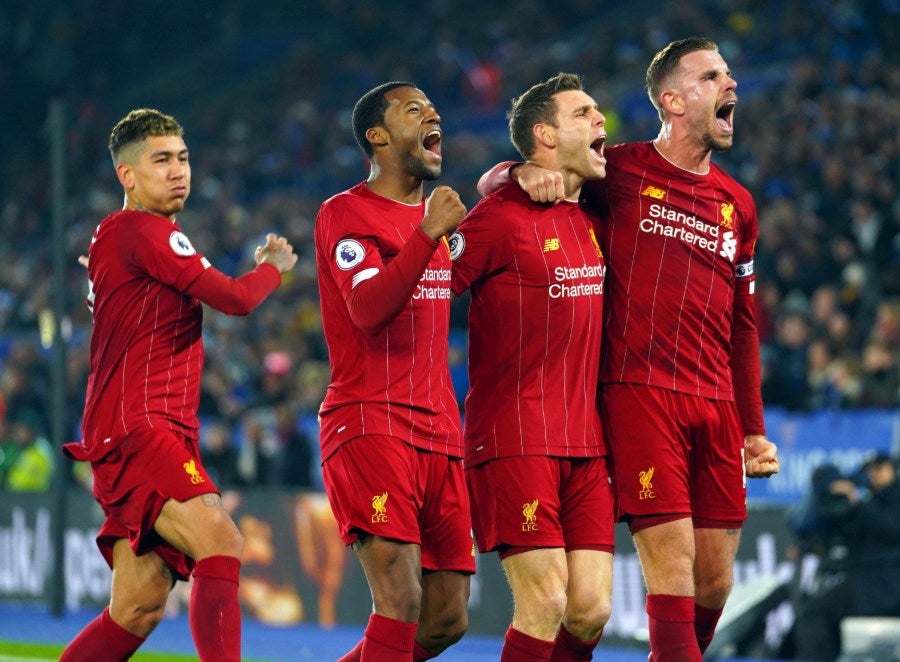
(239, 296)
(375, 301)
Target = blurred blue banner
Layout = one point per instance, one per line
(806, 440)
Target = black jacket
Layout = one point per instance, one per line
(873, 569)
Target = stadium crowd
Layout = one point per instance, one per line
(265, 92)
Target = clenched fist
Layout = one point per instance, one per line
(443, 212)
(760, 457)
(277, 252)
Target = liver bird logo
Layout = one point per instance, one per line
(646, 478)
(190, 468)
(727, 213)
(529, 510)
(379, 506)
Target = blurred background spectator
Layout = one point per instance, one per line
(852, 522)
(26, 456)
(265, 92)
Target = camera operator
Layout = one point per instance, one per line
(868, 584)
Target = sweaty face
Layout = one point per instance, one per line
(157, 175)
(414, 130)
(704, 83)
(580, 135)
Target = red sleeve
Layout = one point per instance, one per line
(157, 247)
(496, 177)
(745, 365)
(375, 301)
(235, 296)
(484, 242)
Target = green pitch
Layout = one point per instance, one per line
(16, 651)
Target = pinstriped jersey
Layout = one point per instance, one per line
(536, 275)
(397, 381)
(678, 246)
(146, 345)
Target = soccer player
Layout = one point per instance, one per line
(164, 516)
(680, 371)
(535, 464)
(390, 426)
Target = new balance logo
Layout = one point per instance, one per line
(551, 245)
(654, 192)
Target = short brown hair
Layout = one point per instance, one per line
(137, 126)
(666, 61)
(537, 106)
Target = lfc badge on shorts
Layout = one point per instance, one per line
(379, 507)
(529, 510)
(646, 478)
(190, 467)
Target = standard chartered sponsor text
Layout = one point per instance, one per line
(562, 289)
(584, 271)
(688, 228)
(434, 284)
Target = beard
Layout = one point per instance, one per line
(713, 140)
(716, 143)
(417, 167)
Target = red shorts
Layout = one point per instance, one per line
(391, 489)
(534, 501)
(135, 479)
(675, 454)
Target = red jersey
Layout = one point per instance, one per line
(394, 381)
(146, 347)
(679, 247)
(536, 275)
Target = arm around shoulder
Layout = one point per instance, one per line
(495, 178)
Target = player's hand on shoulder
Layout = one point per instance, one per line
(444, 211)
(277, 252)
(760, 457)
(540, 184)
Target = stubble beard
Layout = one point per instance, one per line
(715, 143)
(417, 167)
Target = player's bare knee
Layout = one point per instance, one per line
(713, 592)
(233, 543)
(585, 621)
(409, 603)
(554, 603)
(402, 602)
(142, 613)
(443, 637)
(545, 608)
(227, 538)
(148, 616)
(447, 638)
(444, 629)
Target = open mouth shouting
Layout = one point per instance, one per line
(432, 143)
(597, 149)
(725, 116)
